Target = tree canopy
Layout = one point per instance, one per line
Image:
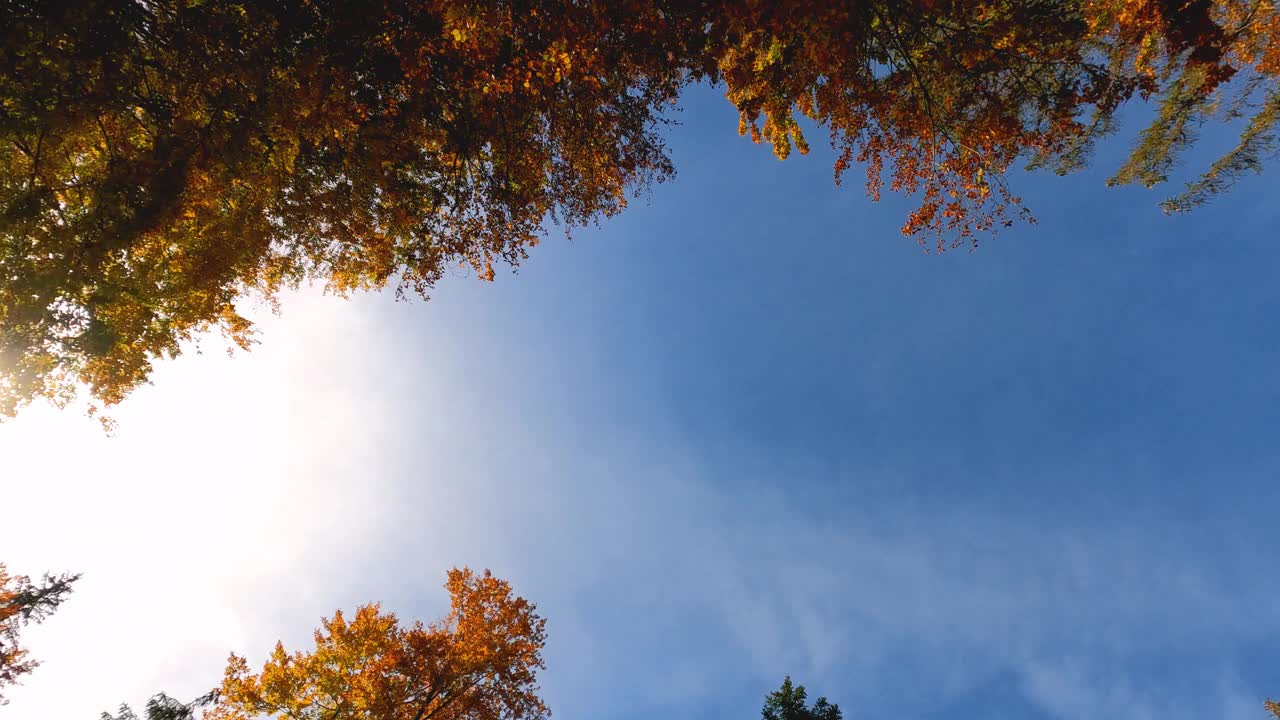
(479, 663)
(789, 703)
(163, 161)
(23, 602)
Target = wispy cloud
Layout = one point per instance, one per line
(686, 581)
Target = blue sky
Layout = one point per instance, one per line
(744, 429)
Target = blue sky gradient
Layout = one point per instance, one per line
(747, 429)
(1032, 481)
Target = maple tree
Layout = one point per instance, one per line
(478, 663)
(23, 602)
(162, 162)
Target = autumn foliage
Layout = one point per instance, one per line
(479, 663)
(162, 162)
